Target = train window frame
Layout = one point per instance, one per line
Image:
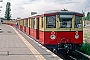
(26, 23)
(54, 26)
(33, 23)
(67, 21)
(79, 24)
(22, 22)
(42, 21)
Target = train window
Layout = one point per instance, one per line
(32, 23)
(42, 22)
(51, 22)
(22, 22)
(77, 22)
(26, 23)
(66, 21)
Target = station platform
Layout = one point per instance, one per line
(16, 45)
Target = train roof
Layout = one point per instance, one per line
(54, 12)
(63, 12)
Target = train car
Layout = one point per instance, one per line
(24, 24)
(21, 24)
(34, 27)
(10, 22)
(61, 30)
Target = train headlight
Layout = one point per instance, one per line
(76, 36)
(52, 37)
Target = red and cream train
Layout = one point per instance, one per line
(56, 30)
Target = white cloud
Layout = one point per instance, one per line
(22, 8)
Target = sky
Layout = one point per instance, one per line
(22, 8)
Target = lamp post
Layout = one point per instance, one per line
(85, 10)
(84, 14)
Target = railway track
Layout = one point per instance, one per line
(72, 55)
(76, 55)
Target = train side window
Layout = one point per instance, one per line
(32, 22)
(51, 22)
(78, 22)
(29, 22)
(26, 23)
(42, 22)
(22, 22)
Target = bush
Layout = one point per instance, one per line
(85, 48)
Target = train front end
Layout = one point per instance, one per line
(63, 30)
(70, 30)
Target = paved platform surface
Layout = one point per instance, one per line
(15, 45)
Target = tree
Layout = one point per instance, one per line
(7, 12)
(88, 16)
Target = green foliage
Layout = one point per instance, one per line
(88, 16)
(86, 36)
(85, 48)
(7, 12)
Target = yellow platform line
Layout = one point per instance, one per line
(31, 48)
